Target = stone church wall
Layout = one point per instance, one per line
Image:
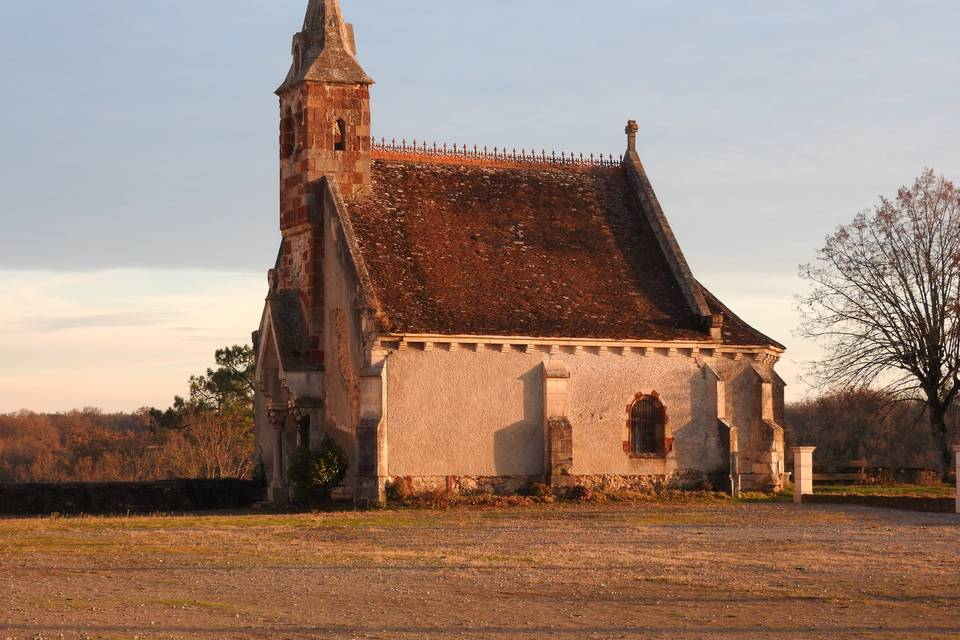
(343, 345)
(478, 415)
(761, 456)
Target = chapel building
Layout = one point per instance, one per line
(481, 320)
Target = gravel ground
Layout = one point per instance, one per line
(714, 570)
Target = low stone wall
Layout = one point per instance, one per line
(127, 497)
(902, 503)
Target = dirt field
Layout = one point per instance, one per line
(596, 571)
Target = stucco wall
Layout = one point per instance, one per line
(481, 413)
(464, 413)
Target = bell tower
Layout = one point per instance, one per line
(324, 132)
(324, 113)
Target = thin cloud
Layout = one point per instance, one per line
(55, 324)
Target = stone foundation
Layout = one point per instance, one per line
(685, 479)
(512, 485)
(468, 485)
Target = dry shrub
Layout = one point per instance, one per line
(399, 490)
(537, 490)
(580, 493)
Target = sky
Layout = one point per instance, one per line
(139, 177)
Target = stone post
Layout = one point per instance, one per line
(372, 467)
(558, 432)
(279, 492)
(734, 465)
(956, 450)
(802, 472)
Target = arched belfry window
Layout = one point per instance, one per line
(287, 134)
(340, 136)
(648, 421)
(297, 58)
(300, 130)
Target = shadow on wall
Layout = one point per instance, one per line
(687, 439)
(518, 448)
(747, 407)
(713, 442)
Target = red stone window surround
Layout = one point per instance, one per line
(288, 134)
(340, 135)
(300, 129)
(647, 433)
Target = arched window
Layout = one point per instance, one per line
(287, 134)
(303, 432)
(300, 130)
(340, 136)
(647, 427)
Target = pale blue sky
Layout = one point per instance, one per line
(138, 165)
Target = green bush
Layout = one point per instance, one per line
(316, 474)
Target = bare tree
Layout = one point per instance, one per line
(885, 301)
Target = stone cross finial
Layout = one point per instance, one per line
(632, 130)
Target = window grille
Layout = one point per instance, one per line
(646, 426)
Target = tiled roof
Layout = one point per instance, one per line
(290, 329)
(546, 252)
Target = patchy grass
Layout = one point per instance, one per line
(702, 567)
(911, 490)
(757, 497)
(441, 501)
(188, 522)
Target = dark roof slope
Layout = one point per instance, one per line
(290, 330)
(551, 252)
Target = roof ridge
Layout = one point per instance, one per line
(394, 150)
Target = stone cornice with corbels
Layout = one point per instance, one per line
(767, 355)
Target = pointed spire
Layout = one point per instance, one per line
(325, 51)
(324, 21)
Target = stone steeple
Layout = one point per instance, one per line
(324, 140)
(325, 50)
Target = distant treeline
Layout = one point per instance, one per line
(92, 446)
(208, 434)
(867, 425)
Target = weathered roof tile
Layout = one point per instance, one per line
(547, 252)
